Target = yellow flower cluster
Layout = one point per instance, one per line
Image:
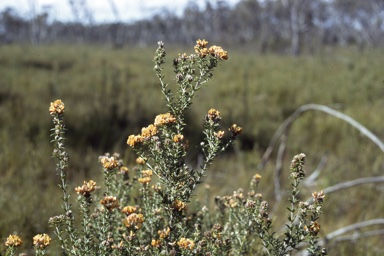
(134, 140)
(179, 205)
(164, 233)
(235, 129)
(56, 107)
(314, 228)
(134, 220)
(146, 177)
(214, 114)
(41, 241)
(13, 241)
(109, 162)
(86, 189)
(186, 243)
(149, 131)
(318, 196)
(110, 202)
(178, 138)
(164, 119)
(140, 161)
(129, 210)
(217, 51)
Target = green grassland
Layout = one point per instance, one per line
(110, 94)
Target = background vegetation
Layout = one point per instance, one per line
(111, 93)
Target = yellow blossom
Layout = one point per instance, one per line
(149, 131)
(235, 129)
(133, 140)
(156, 243)
(178, 138)
(219, 134)
(56, 107)
(13, 241)
(110, 202)
(218, 52)
(213, 114)
(146, 173)
(134, 220)
(186, 243)
(140, 161)
(179, 205)
(201, 43)
(87, 188)
(164, 119)
(129, 210)
(164, 233)
(109, 162)
(144, 180)
(41, 241)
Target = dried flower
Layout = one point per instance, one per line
(314, 228)
(235, 129)
(164, 119)
(41, 241)
(86, 189)
(297, 166)
(318, 196)
(56, 107)
(186, 243)
(13, 241)
(110, 202)
(134, 220)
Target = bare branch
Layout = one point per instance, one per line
(288, 122)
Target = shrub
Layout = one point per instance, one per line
(147, 209)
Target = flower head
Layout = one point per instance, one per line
(110, 202)
(164, 233)
(218, 52)
(186, 243)
(134, 220)
(134, 140)
(214, 115)
(140, 161)
(235, 129)
(86, 189)
(149, 131)
(318, 196)
(164, 119)
(56, 107)
(179, 205)
(41, 241)
(13, 241)
(129, 210)
(109, 162)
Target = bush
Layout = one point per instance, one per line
(149, 209)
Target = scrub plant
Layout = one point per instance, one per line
(146, 210)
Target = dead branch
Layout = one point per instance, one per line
(288, 122)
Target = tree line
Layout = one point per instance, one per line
(289, 26)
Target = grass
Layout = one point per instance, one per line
(113, 93)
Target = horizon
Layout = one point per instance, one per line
(101, 11)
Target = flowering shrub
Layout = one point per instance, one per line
(144, 210)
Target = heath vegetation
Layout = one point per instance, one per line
(158, 205)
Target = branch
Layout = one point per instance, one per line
(288, 122)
